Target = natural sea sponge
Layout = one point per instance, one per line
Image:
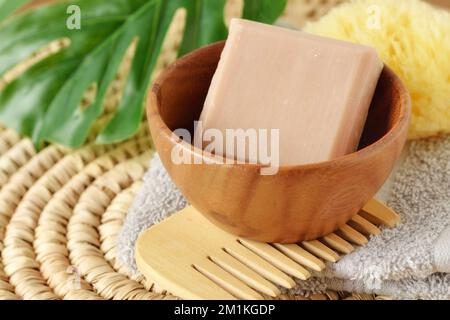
(411, 37)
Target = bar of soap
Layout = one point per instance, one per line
(315, 90)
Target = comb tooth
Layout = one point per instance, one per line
(301, 256)
(378, 213)
(364, 226)
(337, 243)
(351, 235)
(178, 280)
(226, 280)
(245, 274)
(319, 249)
(204, 289)
(259, 265)
(277, 259)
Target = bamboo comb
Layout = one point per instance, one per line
(193, 259)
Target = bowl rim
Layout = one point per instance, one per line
(153, 114)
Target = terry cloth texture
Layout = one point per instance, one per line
(158, 199)
(407, 262)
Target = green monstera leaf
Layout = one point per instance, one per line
(9, 6)
(44, 101)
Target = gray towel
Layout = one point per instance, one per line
(407, 262)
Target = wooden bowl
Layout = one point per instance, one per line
(298, 203)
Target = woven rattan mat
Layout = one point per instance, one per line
(61, 210)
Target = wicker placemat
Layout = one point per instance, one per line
(61, 210)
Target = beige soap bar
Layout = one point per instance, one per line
(315, 90)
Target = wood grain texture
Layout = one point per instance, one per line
(299, 203)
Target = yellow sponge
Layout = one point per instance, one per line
(411, 37)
